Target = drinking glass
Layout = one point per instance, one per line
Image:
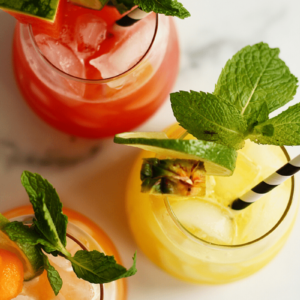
(84, 234)
(162, 225)
(101, 106)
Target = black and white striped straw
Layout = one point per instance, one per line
(128, 20)
(268, 184)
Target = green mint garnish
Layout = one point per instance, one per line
(49, 219)
(207, 117)
(53, 276)
(49, 233)
(255, 75)
(254, 83)
(283, 129)
(166, 7)
(97, 267)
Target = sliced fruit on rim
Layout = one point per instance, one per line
(93, 4)
(45, 17)
(31, 256)
(218, 159)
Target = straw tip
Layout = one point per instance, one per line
(239, 204)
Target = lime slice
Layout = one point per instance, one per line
(93, 4)
(30, 256)
(218, 159)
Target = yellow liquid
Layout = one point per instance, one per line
(201, 239)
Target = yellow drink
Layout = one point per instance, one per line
(201, 239)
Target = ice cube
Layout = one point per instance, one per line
(63, 58)
(132, 45)
(205, 219)
(90, 32)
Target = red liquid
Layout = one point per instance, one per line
(96, 109)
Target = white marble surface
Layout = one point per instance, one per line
(90, 176)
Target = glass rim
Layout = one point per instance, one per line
(83, 80)
(237, 246)
(29, 217)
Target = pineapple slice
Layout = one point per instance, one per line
(173, 176)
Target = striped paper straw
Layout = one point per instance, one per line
(128, 20)
(268, 184)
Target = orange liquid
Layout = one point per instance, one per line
(90, 228)
(101, 110)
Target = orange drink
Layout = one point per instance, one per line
(82, 233)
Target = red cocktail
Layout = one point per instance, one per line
(94, 80)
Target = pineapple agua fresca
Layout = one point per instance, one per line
(173, 176)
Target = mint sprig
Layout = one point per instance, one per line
(53, 276)
(283, 129)
(97, 267)
(255, 75)
(93, 266)
(220, 120)
(166, 7)
(49, 219)
(254, 83)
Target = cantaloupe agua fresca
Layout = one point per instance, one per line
(73, 287)
(50, 255)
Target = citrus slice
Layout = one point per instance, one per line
(30, 256)
(93, 4)
(45, 17)
(11, 275)
(218, 159)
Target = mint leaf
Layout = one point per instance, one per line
(283, 129)
(53, 276)
(166, 7)
(255, 75)
(3, 221)
(47, 208)
(258, 116)
(209, 118)
(18, 232)
(96, 267)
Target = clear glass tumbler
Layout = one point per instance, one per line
(96, 108)
(162, 226)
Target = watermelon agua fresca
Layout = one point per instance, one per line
(45, 16)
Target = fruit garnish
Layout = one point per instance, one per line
(173, 176)
(166, 7)
(11, 275)
(11, 239)
(254, 83)
(44, 16)
(48, 233)
(217, 159)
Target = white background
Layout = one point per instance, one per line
(90, 176)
